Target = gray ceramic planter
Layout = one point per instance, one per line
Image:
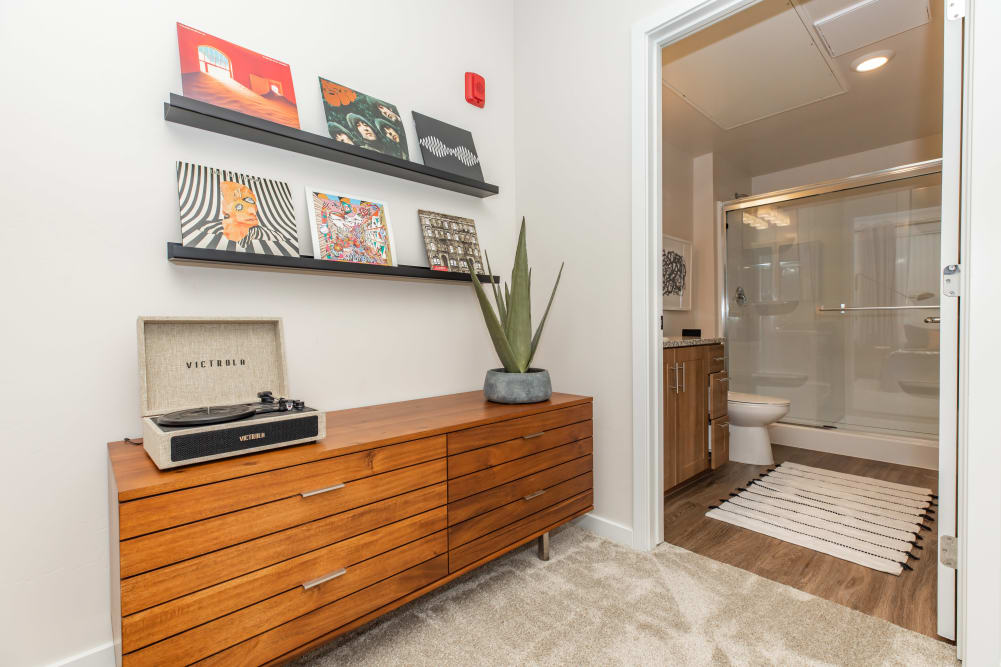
(530, 387)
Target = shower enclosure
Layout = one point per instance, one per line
(832, 301)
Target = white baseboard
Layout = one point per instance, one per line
(99, 656)
(902, 450)
(607, 528)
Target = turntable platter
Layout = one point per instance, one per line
(217, 414)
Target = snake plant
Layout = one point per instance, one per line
(510, 326)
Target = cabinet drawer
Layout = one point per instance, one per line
(281, 640)
(468, 485)
(486, 457)
(472, 438)
(146, 515)
(471, 552)
(524, 506)
(719, 388)
(467, 508)
(280, 594)
(173, 581)
(148, 552)
(717, 358)
(719, 432)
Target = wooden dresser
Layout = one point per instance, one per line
(255, 559)
(696, 427)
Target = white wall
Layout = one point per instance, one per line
(885, 157)
(89, 202)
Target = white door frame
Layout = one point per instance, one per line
(679, 19)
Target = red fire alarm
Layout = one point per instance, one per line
(476, 89)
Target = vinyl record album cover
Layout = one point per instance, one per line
(362, 120)
(447, 147)
(349, 229)
(451, 242)
(227, 210)
(222, 73)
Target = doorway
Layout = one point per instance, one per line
(870, 404)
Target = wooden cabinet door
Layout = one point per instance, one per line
(692, 425)
(670, 421)
(720, 442)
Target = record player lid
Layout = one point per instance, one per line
(191, 362)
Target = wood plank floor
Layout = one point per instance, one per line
(908, 600)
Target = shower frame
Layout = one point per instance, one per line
(890, 175)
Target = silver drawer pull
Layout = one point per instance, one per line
(719, 358)
(724, 379)
(321, 580)
(307, 494)
(534, 435)
(535, 495)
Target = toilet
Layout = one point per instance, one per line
(750, 415)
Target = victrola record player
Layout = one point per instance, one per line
(216, 387)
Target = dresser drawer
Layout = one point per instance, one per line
(283, 639)
(531, 503)
(719, 390)
(473, 438)
(469, 553)
(274, 596)
(491, 455)
(162, 548)
(717, 358)
(173, 581)
(467, 508)
(146, 515)
(467, 485)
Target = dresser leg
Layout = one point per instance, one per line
(544, 546)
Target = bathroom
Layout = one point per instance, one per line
(803, 240)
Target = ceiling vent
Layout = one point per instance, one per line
(868, 22)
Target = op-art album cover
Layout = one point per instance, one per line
(361, 120)
(226, 210)
(451, 242)
(349, 229)
(222, 73)
(447, 147)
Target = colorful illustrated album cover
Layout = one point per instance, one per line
(349, 229)
(227, 210)
(451, 242)
(222, 73)
(361, 120)
(447, 147)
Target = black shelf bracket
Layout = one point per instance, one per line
(195, 113)
(179, 254)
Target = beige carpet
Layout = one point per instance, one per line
(597, 603)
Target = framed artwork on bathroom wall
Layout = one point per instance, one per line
(676, 273)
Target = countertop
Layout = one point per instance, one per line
(686, 341)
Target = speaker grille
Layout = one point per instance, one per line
(224, 441)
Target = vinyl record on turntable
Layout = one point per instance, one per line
(218, 414)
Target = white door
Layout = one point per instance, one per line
(952, 115)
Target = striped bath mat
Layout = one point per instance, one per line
(859, 519)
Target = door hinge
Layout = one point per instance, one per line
(955, 9)
(661, 322)
(948, 551)
(951, 283)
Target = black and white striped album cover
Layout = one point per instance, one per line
(227, 210)
(447, 147)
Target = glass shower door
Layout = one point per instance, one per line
(831, 301)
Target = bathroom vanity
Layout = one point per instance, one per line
(696, 430)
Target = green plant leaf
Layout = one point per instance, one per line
(498, 295)
(542, 323)
(518, 327)
(497, 336)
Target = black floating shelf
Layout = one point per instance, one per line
(247, 260)
(195, 113)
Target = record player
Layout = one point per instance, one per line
(216, 387)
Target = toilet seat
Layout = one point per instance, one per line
(755, 399)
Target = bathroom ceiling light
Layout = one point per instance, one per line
(871, 61)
